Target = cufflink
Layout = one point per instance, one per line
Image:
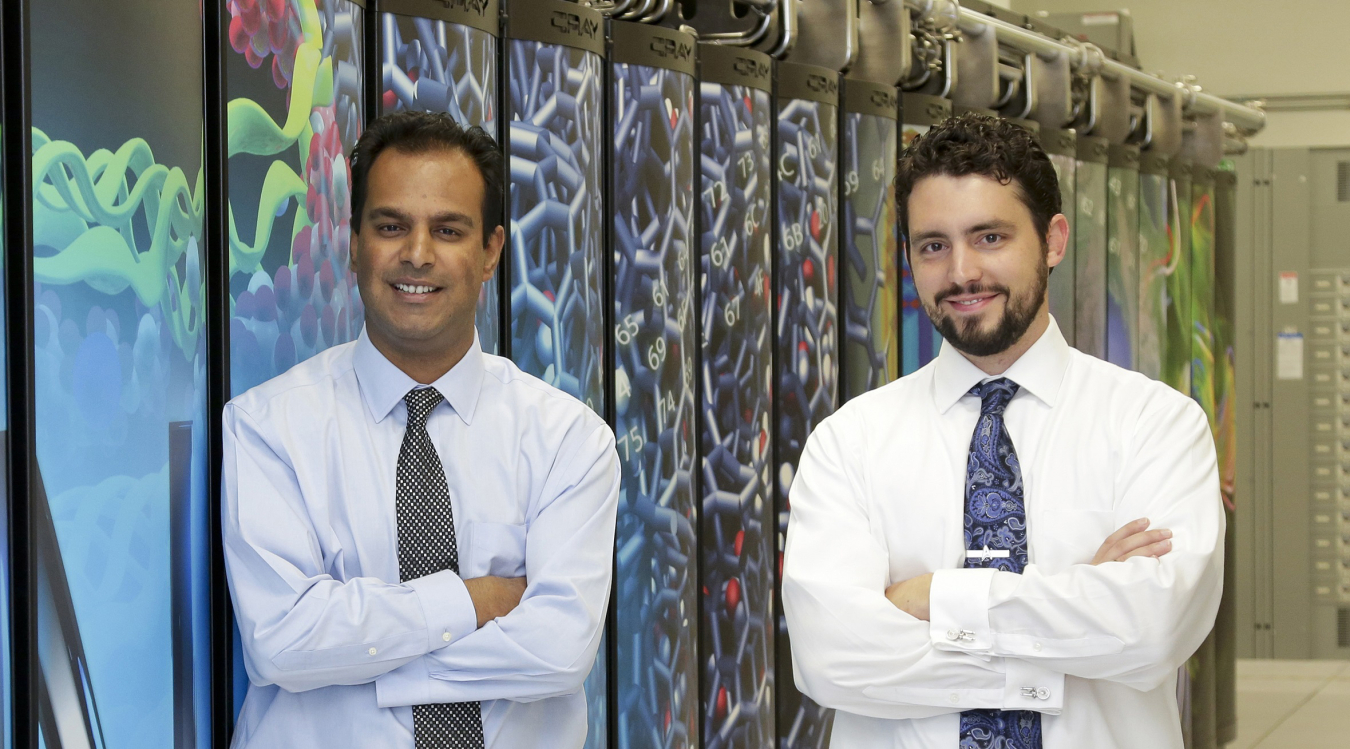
(960, 635)
(1036, 693)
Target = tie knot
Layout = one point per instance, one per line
(994, 395)
(420, 402)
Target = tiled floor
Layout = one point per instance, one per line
(1292, 704)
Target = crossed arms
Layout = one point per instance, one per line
(957, 639)
(438, 638)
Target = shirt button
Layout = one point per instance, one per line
(954, 698)
(445, 636)
(1042, 693)
(371, 651)
(1036, 646)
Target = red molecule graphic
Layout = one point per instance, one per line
(740, 541)
(262, 28)
(808, 270)
(721, 707)
(815, 225)
(733, 595)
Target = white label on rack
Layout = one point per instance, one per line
(1289, 356)
(1288, 287)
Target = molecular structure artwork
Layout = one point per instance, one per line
(435, 66)
(1177, 345)
(1154, 259)
(1090, 259)
(807, 343)
(294, 294)
(871, 305)
(1122, 272)
(737, 530)
(556, 212)
(117, 352)
(919, 340)
(656, 542)
(119, 221)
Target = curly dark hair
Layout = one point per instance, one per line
(424, 132)
(974, 143)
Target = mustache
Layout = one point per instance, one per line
(976, 288)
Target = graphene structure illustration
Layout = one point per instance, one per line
(919, 340)
(435, 66)
(737, 529)
(556, 216)
(868, 233)
(656, 541)
(807, 343)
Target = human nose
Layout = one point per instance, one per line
(965, 265)
(417, 251)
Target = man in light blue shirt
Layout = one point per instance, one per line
(413, 568)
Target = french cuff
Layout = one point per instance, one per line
(1031, 687)
(409, 684)
(447, 606)
(958, 610)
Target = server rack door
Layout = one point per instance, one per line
(295, 82)
(869, 240)
(919, 340)
(1062, 147)
(1090, 246)
(1177, 347)
(1122, 257)
(652, 201)
(118, 354)
(737, 530)
(1225, 400)
(1156, 264)
(555, 107)
(807, 338)
(436, 57)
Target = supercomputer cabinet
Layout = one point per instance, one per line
(1293, 345)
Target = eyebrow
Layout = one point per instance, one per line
(993, 225)
(447, 217)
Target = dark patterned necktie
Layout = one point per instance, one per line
(996, 537)
(426, 545)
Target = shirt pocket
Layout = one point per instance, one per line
(1062, 538)
(497, 550)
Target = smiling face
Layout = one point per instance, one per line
(980, 267)
(421, 259)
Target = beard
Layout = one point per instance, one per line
(1018, 313)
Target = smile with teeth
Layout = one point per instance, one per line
(408, 288)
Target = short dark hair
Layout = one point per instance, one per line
(423, 132)
(973, 143)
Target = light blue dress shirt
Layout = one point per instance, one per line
(337, 649)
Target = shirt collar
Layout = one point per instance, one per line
(383, 385)
(1039, 371)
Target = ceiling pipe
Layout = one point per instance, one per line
(1087, 59)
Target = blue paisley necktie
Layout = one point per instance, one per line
(996, 520)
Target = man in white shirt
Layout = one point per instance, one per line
(1019, 544)
(418, 535)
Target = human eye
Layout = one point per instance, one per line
(930, 248)
(991, 238)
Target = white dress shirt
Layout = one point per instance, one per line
(879, 498)
(338, 649)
